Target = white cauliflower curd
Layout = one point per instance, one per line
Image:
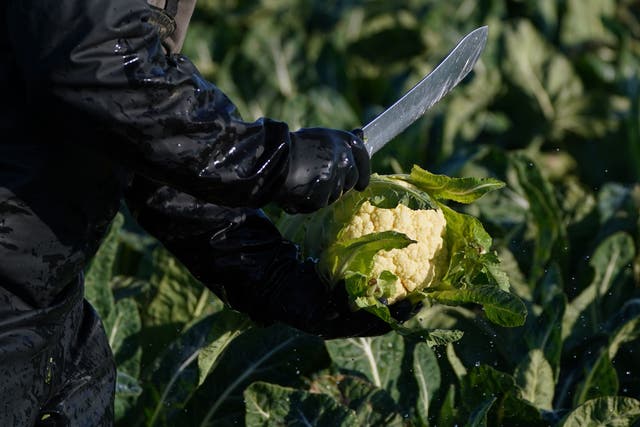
(417, 265)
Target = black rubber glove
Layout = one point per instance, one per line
(297, 296)
(323, 165)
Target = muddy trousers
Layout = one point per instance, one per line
(56, 367)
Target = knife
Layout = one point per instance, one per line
(426, 93)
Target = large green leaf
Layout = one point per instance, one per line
(427, 374)
(448, 410)
(471, 261)
(177, 294)
(543, 332)
(438, 337)
(610, 262)
(550, 80)
(528, 54)
(276, 354)
(601, 380)
(479, 415)
(467, 115)
(484, 383)
(177, 373)
(100, 272)
(544, 211)
(372, 405)
(481, 342)
(273, 405)
(456, 364)
(123, 334)
(379, 359)
(356, 255)
(174, 300)
(121, 321)
(625, 326)
(468, 230)
(600, 376)
(535, 378)
(500, 307)
(604, 412)
(228, 325)
(584, 21)
(618, 206)
(461, 190)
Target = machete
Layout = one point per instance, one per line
(426, 93)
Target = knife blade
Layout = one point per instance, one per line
(426, 93)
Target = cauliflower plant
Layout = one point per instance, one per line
(398, 240)
(415, 266)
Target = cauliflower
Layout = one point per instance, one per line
(398, 240)
(417, 265)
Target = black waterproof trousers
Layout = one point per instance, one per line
(56, 367)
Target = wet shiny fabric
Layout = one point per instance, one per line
(92, 108)
(56, 367)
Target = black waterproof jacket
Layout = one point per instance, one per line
(94, 111)
(86, 112)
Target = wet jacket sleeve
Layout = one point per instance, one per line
(241, 256)
(101, 63)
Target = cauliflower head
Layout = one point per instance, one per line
(416, 266)
(398, 240)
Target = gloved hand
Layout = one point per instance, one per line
(323, 165)
(300, 298)
(340, 321)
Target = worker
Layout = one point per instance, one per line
(97, 107)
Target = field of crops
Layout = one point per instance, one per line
(552, 109)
